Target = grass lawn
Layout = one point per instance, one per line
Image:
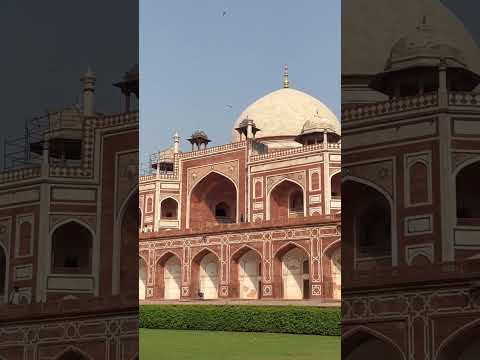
(217, 345)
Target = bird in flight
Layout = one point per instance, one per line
(230, 106)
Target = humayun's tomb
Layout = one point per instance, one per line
(257, 218)
(410, 171)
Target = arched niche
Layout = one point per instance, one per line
(292, 273)
(467, 195)
(363, 343)
(213, 200)
(246, 273)
(168, 276)
(129, 244)
(206, 275)
(336, 186)
(72, 249)
(142, 278)
(286, 200)
(3, 275)
(169, 209)
(73, 354)
(464, 344)
(368, 234)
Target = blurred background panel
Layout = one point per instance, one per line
(410, 160)
(69, 180)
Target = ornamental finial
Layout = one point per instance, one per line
(285, 77)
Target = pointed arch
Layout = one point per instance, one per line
(246, 272)
(120, 229)
(391, 203)
(291, 268)
(336, 191)
(269, 197)
(166, 210)
(331, 248)
(288, 246)
(205, 275)
(165, 256)
(235, 204)
(204, 251)
(73, 353)
(244, 248)
(168, 276)
(4, 266)
(467, 199)
(72, 256)
(359, 336)
(142, 277)
(458, 341)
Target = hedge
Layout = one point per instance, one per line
(273, 319)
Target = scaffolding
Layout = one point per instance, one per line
(18, 152)
(163, 159)
(58, 127)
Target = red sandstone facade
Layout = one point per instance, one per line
(411, 220)
(243, 220)
(68, 228)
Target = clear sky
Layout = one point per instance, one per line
(195, 61)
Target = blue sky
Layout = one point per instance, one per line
(194, 61)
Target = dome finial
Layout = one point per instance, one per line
(285, 77)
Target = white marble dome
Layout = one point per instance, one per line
(280, 116)
(424, 46)
(321, 124)
(367, 40)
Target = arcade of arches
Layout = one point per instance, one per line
(244, 275)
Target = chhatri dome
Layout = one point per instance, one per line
(368, 39)
(387, 30)
(281, 115)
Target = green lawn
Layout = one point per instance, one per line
(217, 345)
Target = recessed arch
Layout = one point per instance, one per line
(133, 197)
(362, 341)
(292, 272)
(288, 246)
(125, 242)
(140, 219)
(166, 256)
(467, 198)
(244, 248)
(168, 275)
(246, 272)
(336, 273)
(73, 353)
(169, 208)
(71, 247)
(202, 199)
(330, 248)
(142, 277)
(206, 274)
(4, 264)
(282, 204)
(418, 182)
(336, 184)
(172, 278)
(462, 344)
(392, 216)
